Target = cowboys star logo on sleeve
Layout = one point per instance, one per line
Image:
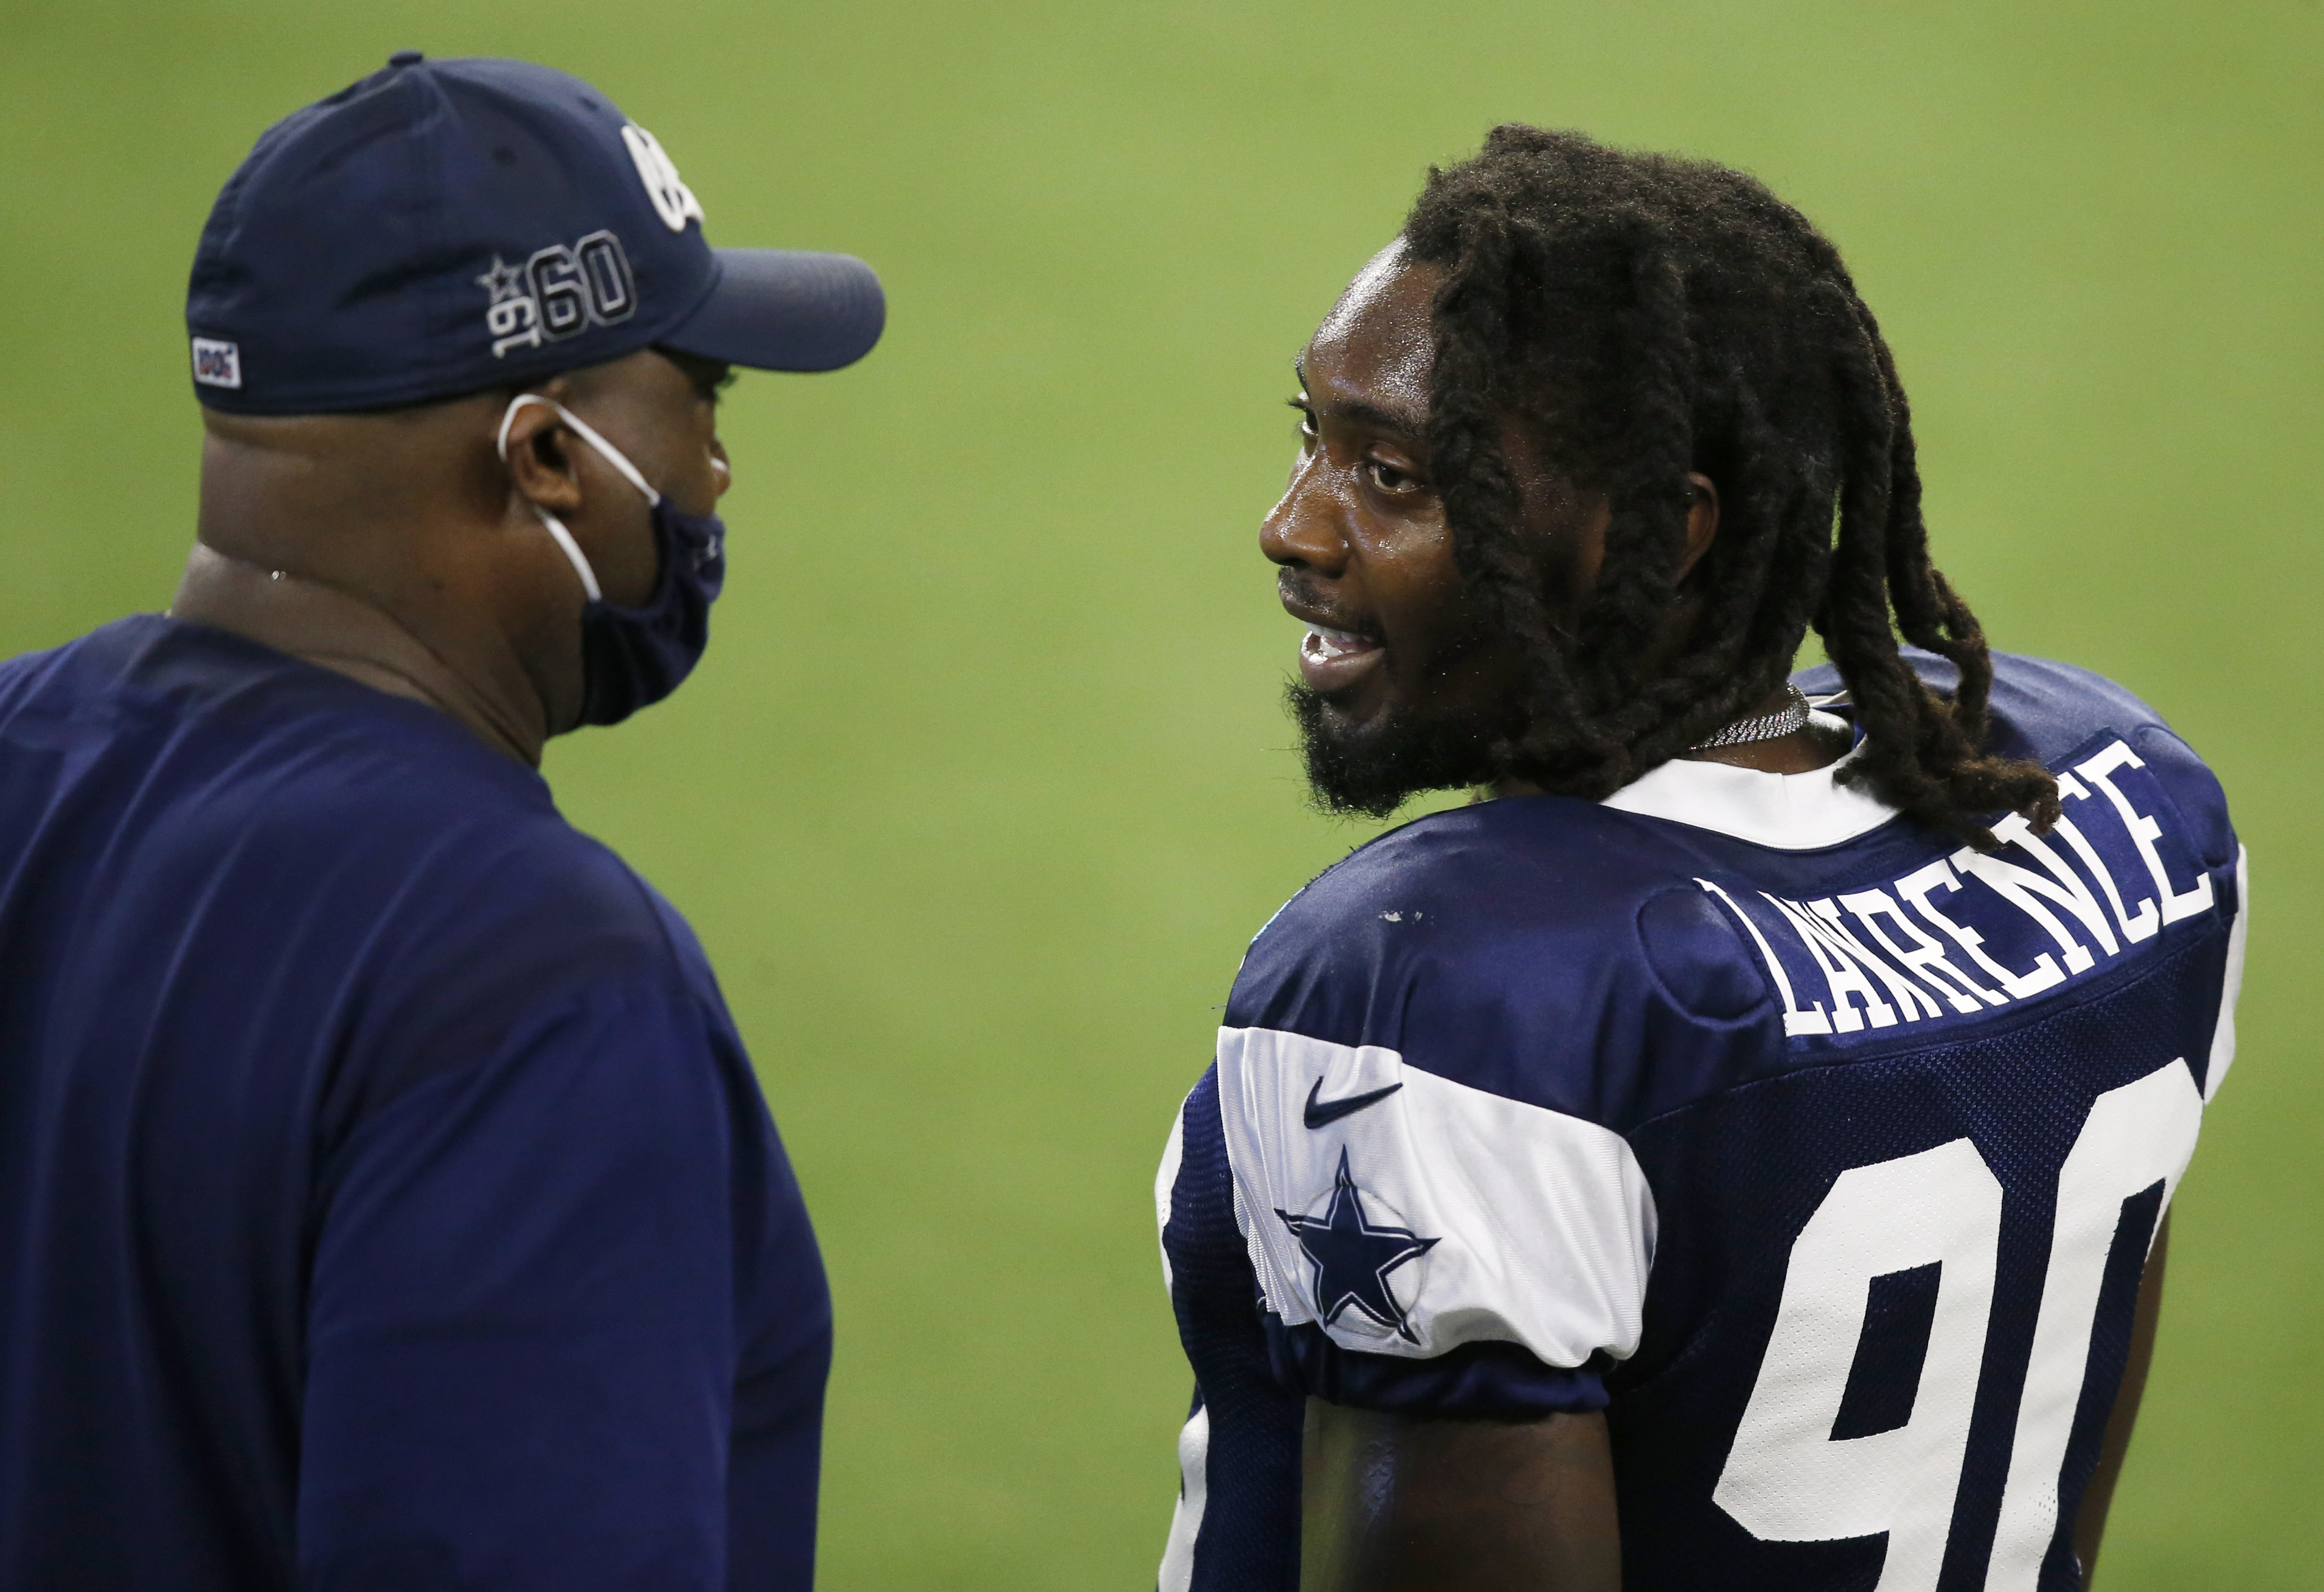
(1353, 1257)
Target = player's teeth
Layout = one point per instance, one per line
(1327, 640)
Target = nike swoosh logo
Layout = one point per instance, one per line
(1319, 1112)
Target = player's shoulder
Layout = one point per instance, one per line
(2043, 708)
(1530, 867)
(1524, 946)
(1493, 888)
(2060, 714)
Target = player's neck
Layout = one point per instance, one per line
(342, 629)
(1803, 751)
(1811, 747)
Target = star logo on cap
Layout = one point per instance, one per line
(1353, 1258)
(503, 282)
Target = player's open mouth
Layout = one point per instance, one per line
(1330, 660)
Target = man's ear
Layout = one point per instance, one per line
(539, 463)
(1702, 523)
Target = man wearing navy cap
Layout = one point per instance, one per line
(386, 1200)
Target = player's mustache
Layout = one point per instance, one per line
(1302, 594)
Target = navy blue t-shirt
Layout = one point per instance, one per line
(1819, 1151)
(386, 1200)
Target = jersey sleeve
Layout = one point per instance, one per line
(1236, 1525)
(1335, 1223)
(1424, 1245)
(2231, 982)
(522, 1321)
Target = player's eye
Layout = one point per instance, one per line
(1307, 432)
(1389, 478)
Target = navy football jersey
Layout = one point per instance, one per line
(1820, 1151)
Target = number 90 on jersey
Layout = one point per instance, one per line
(1788, 1478)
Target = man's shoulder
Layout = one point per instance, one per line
(1531, 946)
(2041, 708)
(298, 795)
(472, 858)
(1422, 1083)
(2059, 715)
(1534, 867)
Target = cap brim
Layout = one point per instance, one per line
(782, 309)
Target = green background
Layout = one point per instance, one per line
(984, 786)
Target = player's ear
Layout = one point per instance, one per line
(539, 460)
(1702, 523)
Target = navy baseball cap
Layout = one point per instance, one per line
(443, 226)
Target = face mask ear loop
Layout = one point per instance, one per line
(564, 539)
(607, 451)
(551, 522)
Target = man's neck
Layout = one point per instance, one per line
(341, 630)
(1805, 749)
(1811, 747)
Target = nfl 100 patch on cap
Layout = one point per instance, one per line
(446, 226)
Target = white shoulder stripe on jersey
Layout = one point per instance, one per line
(1523, 1225)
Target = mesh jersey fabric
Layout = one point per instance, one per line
(1840, 1161)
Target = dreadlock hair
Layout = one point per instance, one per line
(1645, 317)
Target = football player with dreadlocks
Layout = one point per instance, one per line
(1734, 1150)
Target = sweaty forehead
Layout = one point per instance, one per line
(1375, 346)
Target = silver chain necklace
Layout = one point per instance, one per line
(1793, 715)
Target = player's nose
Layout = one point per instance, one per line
(1303, 528)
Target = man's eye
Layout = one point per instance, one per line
(1307, 433)
(1388, 478)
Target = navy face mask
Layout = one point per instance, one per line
(633, 657)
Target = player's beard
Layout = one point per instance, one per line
(1369, 770)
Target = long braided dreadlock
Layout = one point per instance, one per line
(1649, 316)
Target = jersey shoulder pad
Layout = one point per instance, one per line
(1544, 949)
